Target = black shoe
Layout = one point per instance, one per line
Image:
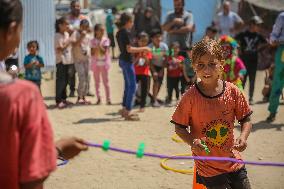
(72, 94)
(271, 117)
(90, 94)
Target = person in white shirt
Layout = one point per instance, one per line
(228, 21)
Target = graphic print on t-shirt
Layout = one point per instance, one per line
(217, 133)
(251, 43)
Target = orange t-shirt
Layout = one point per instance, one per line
(213, 118)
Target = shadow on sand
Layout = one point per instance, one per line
(264, 125)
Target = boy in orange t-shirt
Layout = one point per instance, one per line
(209, 108)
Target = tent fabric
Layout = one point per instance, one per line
(277, 5)
(38, 24)
(203, 14)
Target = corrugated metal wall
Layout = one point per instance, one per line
(39, 20)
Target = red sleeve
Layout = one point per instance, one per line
(242, 108)
(182, 114)
(37, 150)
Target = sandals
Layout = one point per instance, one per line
(131, 117)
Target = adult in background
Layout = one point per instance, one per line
(228, 21)
(110, 25)
(179, 25)
(147, 23)
(251, 42)
(277, 39)
(74, 19)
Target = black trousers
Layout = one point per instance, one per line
(232, 180)
(173, 84)
(61, 82)
(251, 65)
(144, 82)
(71, 77)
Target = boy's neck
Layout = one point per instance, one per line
(212, 89)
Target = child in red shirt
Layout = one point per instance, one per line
(142, 69)
(174, 72)
(210, 108)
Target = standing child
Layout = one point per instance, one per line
(126, 63)
(101, 60)
(142, 68)
(188, 76)
(174, 72)
(63, 59)
(157, 64)
(33, 62)
(81, 54)
(210, 108)
(250, 42)
(234, 69)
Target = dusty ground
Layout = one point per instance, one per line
(97, 169)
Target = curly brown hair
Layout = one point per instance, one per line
(207, 46)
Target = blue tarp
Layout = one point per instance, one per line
(203, 13)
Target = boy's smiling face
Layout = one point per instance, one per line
(208, 69)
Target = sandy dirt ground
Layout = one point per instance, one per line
(98, 169)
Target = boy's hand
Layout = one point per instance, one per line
(71, 147)
(240, 144)
(36, 63)
(197, 145)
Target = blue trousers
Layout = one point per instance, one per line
(129, 83)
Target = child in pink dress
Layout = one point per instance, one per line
(101, 60)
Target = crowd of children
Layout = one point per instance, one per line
(142, 65)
